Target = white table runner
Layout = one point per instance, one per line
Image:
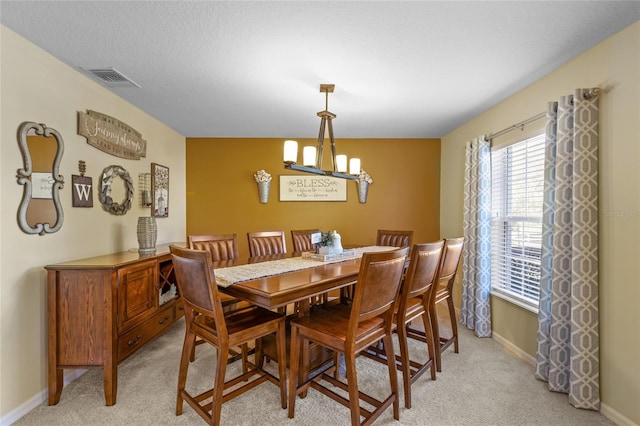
(235, 274)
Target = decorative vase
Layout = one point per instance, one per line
(337, 243)
(263, 191)
(147, 234)
(363, 187)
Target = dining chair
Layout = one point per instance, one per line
(301, 239)
(349, 330)
(205, 318)
(443, 292)
(387, 237)
(221, 247)
(413, 304)
(266, 243)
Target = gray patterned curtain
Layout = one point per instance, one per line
(568, 340)
(476, 266)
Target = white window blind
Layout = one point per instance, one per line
(517, 179)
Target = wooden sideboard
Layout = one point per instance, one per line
(103, 309)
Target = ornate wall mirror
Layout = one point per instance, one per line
(40, 211)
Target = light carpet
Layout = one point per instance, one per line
(482, 385)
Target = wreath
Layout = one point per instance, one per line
(105, 190)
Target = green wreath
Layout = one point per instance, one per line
(105, 190)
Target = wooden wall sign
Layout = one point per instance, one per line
(312, 188)
(81, 188)
(111, 135)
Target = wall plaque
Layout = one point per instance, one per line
(312, 188)
(111, 135)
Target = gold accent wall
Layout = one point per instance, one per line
(222, 196)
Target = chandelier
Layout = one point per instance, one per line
(312, 156)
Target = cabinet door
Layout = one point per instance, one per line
(137, 293)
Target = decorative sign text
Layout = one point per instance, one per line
(312, 188)
(111, 135)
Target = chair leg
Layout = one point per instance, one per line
(218, 384)
(426, 321)
(436, 336)
(282, 360)
(406, 367)
(352, 383)
(187, 351)
(454, 323)
(391, 364)
(294, 366)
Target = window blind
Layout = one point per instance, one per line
(517, 180)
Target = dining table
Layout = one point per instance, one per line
(276, 281)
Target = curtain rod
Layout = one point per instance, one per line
(519, 125)
(590, 93)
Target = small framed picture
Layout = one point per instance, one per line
(160, 189)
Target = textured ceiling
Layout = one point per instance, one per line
(253, 69)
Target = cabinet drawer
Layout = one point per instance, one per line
(135, 338)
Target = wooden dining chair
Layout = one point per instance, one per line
(266, 243)
(221, 247)
(413, 304)
(205, 319)
(443, 292)
(387, 237)
(349, 330)
(301, 239)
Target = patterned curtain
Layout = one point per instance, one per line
(476, 266)
(568, 339)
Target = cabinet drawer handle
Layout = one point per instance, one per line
(135, 342)
(162, 321)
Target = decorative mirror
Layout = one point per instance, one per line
(40, 211)
(108, 191)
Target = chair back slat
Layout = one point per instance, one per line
(451, 254)
(302, 239)
(266, 243)
(196, 284)
(422, 271)
(221, 247)
(387, 237)
(378, 283)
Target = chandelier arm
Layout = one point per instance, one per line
(320, 147)
(333, 146)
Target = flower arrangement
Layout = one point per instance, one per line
(262, 176)
(326, 239)
(365, 177)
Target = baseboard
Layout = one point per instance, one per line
(514, 350)
(615, 417)
(605, 410)
(37, 400)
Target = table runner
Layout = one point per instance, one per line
(235, 274)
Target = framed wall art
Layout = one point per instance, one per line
(160, 187)
(312, 188)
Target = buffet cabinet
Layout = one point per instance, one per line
(103, 309)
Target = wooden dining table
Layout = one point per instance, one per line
(276, 291)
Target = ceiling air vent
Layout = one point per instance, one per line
(113, 78)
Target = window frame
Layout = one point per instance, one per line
(499, 281)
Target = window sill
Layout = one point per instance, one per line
(529, 306)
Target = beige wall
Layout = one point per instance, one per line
(614, 66)
(222, 196)
(37, 87)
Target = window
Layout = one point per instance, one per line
(517, 180)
